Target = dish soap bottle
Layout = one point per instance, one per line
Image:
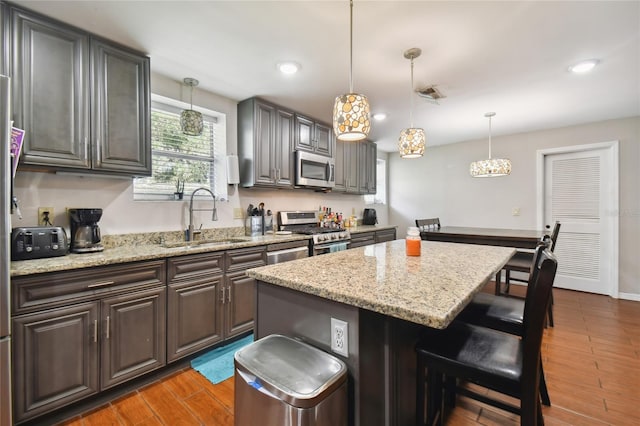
(413, 241)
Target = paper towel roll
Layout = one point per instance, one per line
(233, 171)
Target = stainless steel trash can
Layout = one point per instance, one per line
(280, 381)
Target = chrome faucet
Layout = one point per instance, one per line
(214, 212)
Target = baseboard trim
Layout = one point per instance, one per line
(629, 296)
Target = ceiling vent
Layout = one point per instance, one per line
(430, 93)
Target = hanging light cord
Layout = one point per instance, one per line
(350, 46)
(191, 95)
(490, 137)
(411, 97)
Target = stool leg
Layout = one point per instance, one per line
(435, 403)
(498, 288)
(420, 395)
(550, 313)
(544, 392)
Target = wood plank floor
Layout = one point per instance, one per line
(591, 359)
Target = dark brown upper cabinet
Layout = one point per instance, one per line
(83, 102)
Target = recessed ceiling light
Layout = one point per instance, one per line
(584, 66)
(379, 116)
(288, 67)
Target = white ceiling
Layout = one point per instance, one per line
(510, 57)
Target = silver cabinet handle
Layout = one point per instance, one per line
(229, 295)
(223, 291)
(95, 331)
(108, 321)
(101, 284)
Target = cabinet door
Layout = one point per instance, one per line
(283, 149)
(133, 335)
(324, 139)
(341, 172)
(240, 303)
(55, 359)
(120, 118)
(351, 164)
(367, 167)
(51, 91)
(304, 134)
(194, 316)
(265, 133)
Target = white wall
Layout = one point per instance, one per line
(122, 215)
(441, 185)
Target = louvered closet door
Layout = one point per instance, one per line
(577, 195)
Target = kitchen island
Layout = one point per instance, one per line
(386, 298)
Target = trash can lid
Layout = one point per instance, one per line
(296, 372)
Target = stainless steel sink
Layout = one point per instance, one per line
(200, 243)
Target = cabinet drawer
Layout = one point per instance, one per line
(54, 289)
(385, 235)
(194, 266)
(362, 239)
(241, 259)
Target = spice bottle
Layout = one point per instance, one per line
(413, 241)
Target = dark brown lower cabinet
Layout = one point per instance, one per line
(80, 332)
(362, 239)
(133, 336)
(359, 239)
(240, 303)
(55, 359)
(241, 290)
(210, 298)
(194, 309)
(385, 235)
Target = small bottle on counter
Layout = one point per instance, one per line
(413, 241)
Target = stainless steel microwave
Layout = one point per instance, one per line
(315, 170)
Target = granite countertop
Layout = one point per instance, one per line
(132, 250)
(430, 289)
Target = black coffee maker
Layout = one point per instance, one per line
(85, 233)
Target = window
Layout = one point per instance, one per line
(182, 163)
(380, 196)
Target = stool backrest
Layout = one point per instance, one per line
(554, 235)
(428, 224)
(535, 313)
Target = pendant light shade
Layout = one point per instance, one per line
(492, 167)
(351, 121)
(190, 120)
(412, 140)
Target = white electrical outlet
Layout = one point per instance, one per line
(340, 337)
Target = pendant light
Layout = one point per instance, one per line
(492, 167)
(412, 140)
(190, 120)
(351, 111)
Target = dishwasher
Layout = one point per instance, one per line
(284, 252)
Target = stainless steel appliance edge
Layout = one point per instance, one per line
(5, 227)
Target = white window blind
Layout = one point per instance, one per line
(182, 163)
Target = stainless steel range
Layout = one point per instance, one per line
(325, 239)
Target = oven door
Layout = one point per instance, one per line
(330, 247)
(314, 170)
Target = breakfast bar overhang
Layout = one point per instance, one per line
(386, 297)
